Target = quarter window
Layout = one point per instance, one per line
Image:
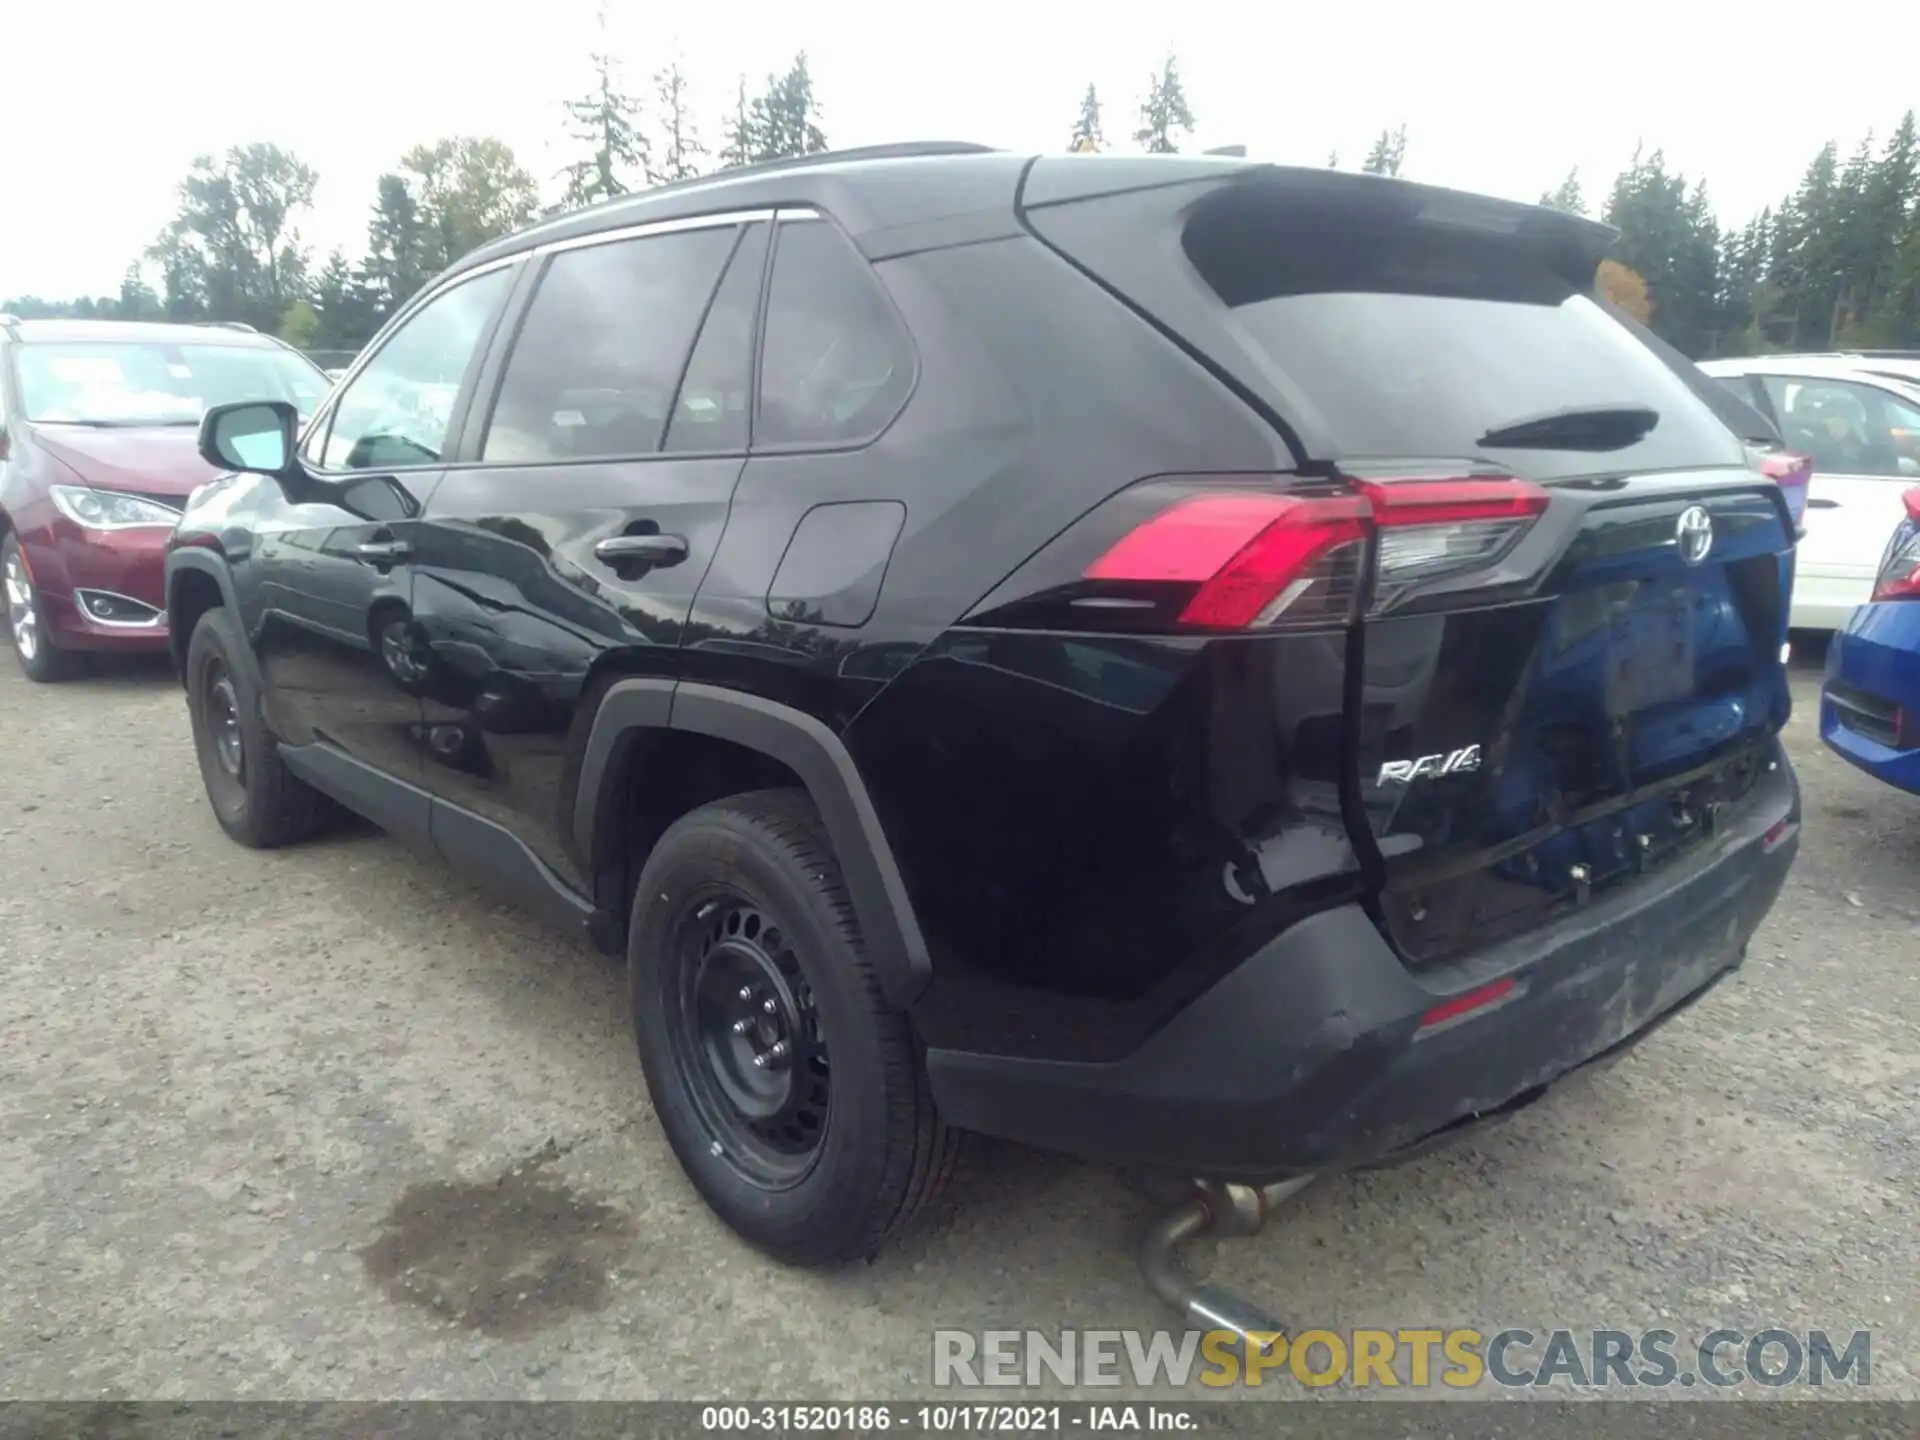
(593, 373)
(397, 410)
(836, 366)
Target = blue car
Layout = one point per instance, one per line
(1870, 704)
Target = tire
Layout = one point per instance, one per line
(27, 625)
(256, 799)
(746, 892)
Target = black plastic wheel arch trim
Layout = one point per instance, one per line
(894, 942)
(207, 563)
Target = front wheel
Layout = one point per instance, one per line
(793, 1096)
(256, 799)
(27, 626)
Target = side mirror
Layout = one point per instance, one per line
(252, 435)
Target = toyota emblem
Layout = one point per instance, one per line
(1694, 534)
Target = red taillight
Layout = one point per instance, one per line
(1900, 580)
(1465, 1004)
(1452, 502)
(1792, 473)
(1247, 553)
(1256, 556)
(1899, 577)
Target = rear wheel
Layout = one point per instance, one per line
(27, 626)
(256, 799)
(793, 1096)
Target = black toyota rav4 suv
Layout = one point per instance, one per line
(1210, 667)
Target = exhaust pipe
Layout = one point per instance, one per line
(1226, 1210)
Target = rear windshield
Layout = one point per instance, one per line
(1408, 341)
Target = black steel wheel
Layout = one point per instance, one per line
(794, 1097)
(746, 1032)
(257, 800)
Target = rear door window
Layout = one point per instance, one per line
(596, 363)
(836, 365)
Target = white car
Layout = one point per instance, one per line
(1862, 429)
(1895, 364)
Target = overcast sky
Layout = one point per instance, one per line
(103, 105)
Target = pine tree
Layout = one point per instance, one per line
(1896, 206)
(1806, 254)
(784, 121)
(1164, 111)
(1747, 299)
(1087, 137)
(741, 143)
(681, 147)
(1669, 237)
(1388, 153)
(604, 118)
(340, 303)
(1567, 197)
(396, 264)
(137, 300)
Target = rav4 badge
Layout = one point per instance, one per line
(1430, 767)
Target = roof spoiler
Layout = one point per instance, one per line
(1572, 245)
(1225, 181)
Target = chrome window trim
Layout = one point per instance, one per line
(653, 227)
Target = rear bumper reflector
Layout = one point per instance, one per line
(1477, 1001)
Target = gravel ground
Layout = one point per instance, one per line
(330, 1123)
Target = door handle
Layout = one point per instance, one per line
(643, 549)
(383, 552)
(1814, 504)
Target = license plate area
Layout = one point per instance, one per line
(1639, 634)
(1651, 654)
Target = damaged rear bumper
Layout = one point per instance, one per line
(1321, 1051)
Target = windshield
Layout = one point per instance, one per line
(157, 383)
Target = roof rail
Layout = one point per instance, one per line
(229, 325)
(899, 150)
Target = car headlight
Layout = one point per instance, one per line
(109, 509)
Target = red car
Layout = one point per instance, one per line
(99, 421)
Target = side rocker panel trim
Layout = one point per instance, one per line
(395, 806)
(472, 844)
